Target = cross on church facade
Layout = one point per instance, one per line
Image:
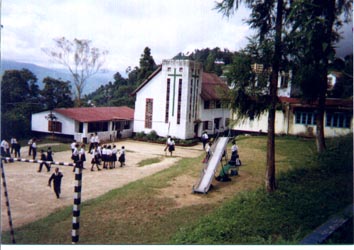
(174, 75)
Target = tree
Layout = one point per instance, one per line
(147, 65)
(56, 93)
(19, 98)
(82, 60)
(314, 46)
(267, 19)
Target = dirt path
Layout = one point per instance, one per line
(32, 199)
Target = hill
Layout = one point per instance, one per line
(42, 72)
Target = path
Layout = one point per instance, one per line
(31, 198)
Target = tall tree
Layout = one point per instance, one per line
(56, 93)
(147, 64)
(19, 98)
(314, 46)
(267, 19)
(82, 60)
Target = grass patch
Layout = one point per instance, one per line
(310, 189)
(149, 161)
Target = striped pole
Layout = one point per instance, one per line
(77, 202)
(7, 203)
(37, 161)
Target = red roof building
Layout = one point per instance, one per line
(80, 123)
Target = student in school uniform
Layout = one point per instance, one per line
(171, 147)
(72, 146)
(109, 156)
(92, 143)
(82, 155)
(43, 159)
(95, 159)
(121, 158)
(34, 148)
(29, 143)
(56, 178)
(104, 156)
(114, 155)
(75, 155)
(96, 139)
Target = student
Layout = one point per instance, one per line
(114, 156)
(82, 155)
(109, 156)
(29, 143)
(75, 155)
(171, 147)
(34, 148)
(95, 159)
(104, 156)
(43, 159)
(72, 146)
(168, 142)
(56, 178)
(13, 143)
(122, 157)
(208, 152)
(205, 139)
(18, 150)
(96, 139)
(92, 143)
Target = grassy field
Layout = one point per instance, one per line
(310, 189)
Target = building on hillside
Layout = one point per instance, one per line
(299, 118)
(180, 100)
(80, 123)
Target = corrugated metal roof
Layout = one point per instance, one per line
(97, 114)
(212, 86)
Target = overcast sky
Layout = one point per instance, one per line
(123, 27)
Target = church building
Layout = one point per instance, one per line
(180, 100)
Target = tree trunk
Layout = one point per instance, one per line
(320, 139)
(270, 169)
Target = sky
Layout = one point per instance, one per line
(123, 27)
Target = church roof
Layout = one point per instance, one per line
(212, 86)
(97, 114)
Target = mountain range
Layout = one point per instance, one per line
(93, 83)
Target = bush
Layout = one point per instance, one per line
(152, 136)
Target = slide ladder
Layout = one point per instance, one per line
(209, 171)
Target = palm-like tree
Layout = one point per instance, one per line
(262, 19)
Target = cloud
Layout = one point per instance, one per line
(123, 27)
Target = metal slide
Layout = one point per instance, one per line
(209, 172)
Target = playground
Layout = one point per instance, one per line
(31, 198)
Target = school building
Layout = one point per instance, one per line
(80, 123)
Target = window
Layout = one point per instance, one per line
(179, 101)
(96, 126)
(148, 113)
(284, 80)
(338, 119)
(305, 117)
(206, 104)
(218, 104)
(180, 69)
(54, 126)
(207, 125)
(167, 109)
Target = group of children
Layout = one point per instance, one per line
(106, 155)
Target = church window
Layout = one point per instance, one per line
(167, 110)
(179, 101)
(190, 100)
(148, 113)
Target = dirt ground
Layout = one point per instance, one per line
(31, 198)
